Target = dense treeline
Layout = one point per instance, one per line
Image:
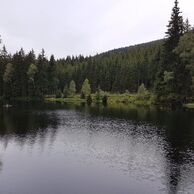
(114, 71)
(25, 75)
(165, 67)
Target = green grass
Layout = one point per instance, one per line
(128, 99)
(189, 105)
(113, 99)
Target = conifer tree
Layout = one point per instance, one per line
(72, 88)
(175, 28)
(142, 92)
(8, 80)
(65, 91)
(41, 77)
(171, 64)
(52, 77)
(187, 26)
(3, 61)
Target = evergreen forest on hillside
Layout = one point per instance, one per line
(164, 67)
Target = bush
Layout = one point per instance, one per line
(143, 93)
(99, 95)
(65, 91)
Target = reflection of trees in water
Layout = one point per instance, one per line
(179, 155)
(27, 126)
(178, 136)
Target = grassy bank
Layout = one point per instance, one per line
(126, 99)
(112, 99)
(189, 105)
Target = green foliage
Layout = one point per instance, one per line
(185, 72)
(8, 80)
(72, 88)
(86, 90)
(32, 70)
(142, 92)
(187, 26)
(168, 76)
(165, 66)
(65, 91)
(4, 59)
(98, 95)
(175, 29)
(173, 81)
(9, 72)
(185, 49)
(115, 71)
(52, 76)
(128, 99)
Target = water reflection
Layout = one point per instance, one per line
(138, 145)
(180, 155)
(26, 126)
(176, 130)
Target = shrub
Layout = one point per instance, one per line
(142, 93)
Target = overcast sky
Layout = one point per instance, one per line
(72, 27)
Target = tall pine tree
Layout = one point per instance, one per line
(172, 91)
(52, 76)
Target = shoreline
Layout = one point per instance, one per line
(115, 100)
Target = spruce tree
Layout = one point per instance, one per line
(52, 77)
(41, 77)
(20, 78)
(170, 92)
(187, 26)
(8, 79)
(3, 61)
(175, 29)
(65, 91)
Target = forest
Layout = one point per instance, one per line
(164, 68)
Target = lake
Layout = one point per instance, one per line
(63, 149)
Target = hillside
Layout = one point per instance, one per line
(116, 70)
(132, 47)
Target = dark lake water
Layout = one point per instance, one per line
(60, 149)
